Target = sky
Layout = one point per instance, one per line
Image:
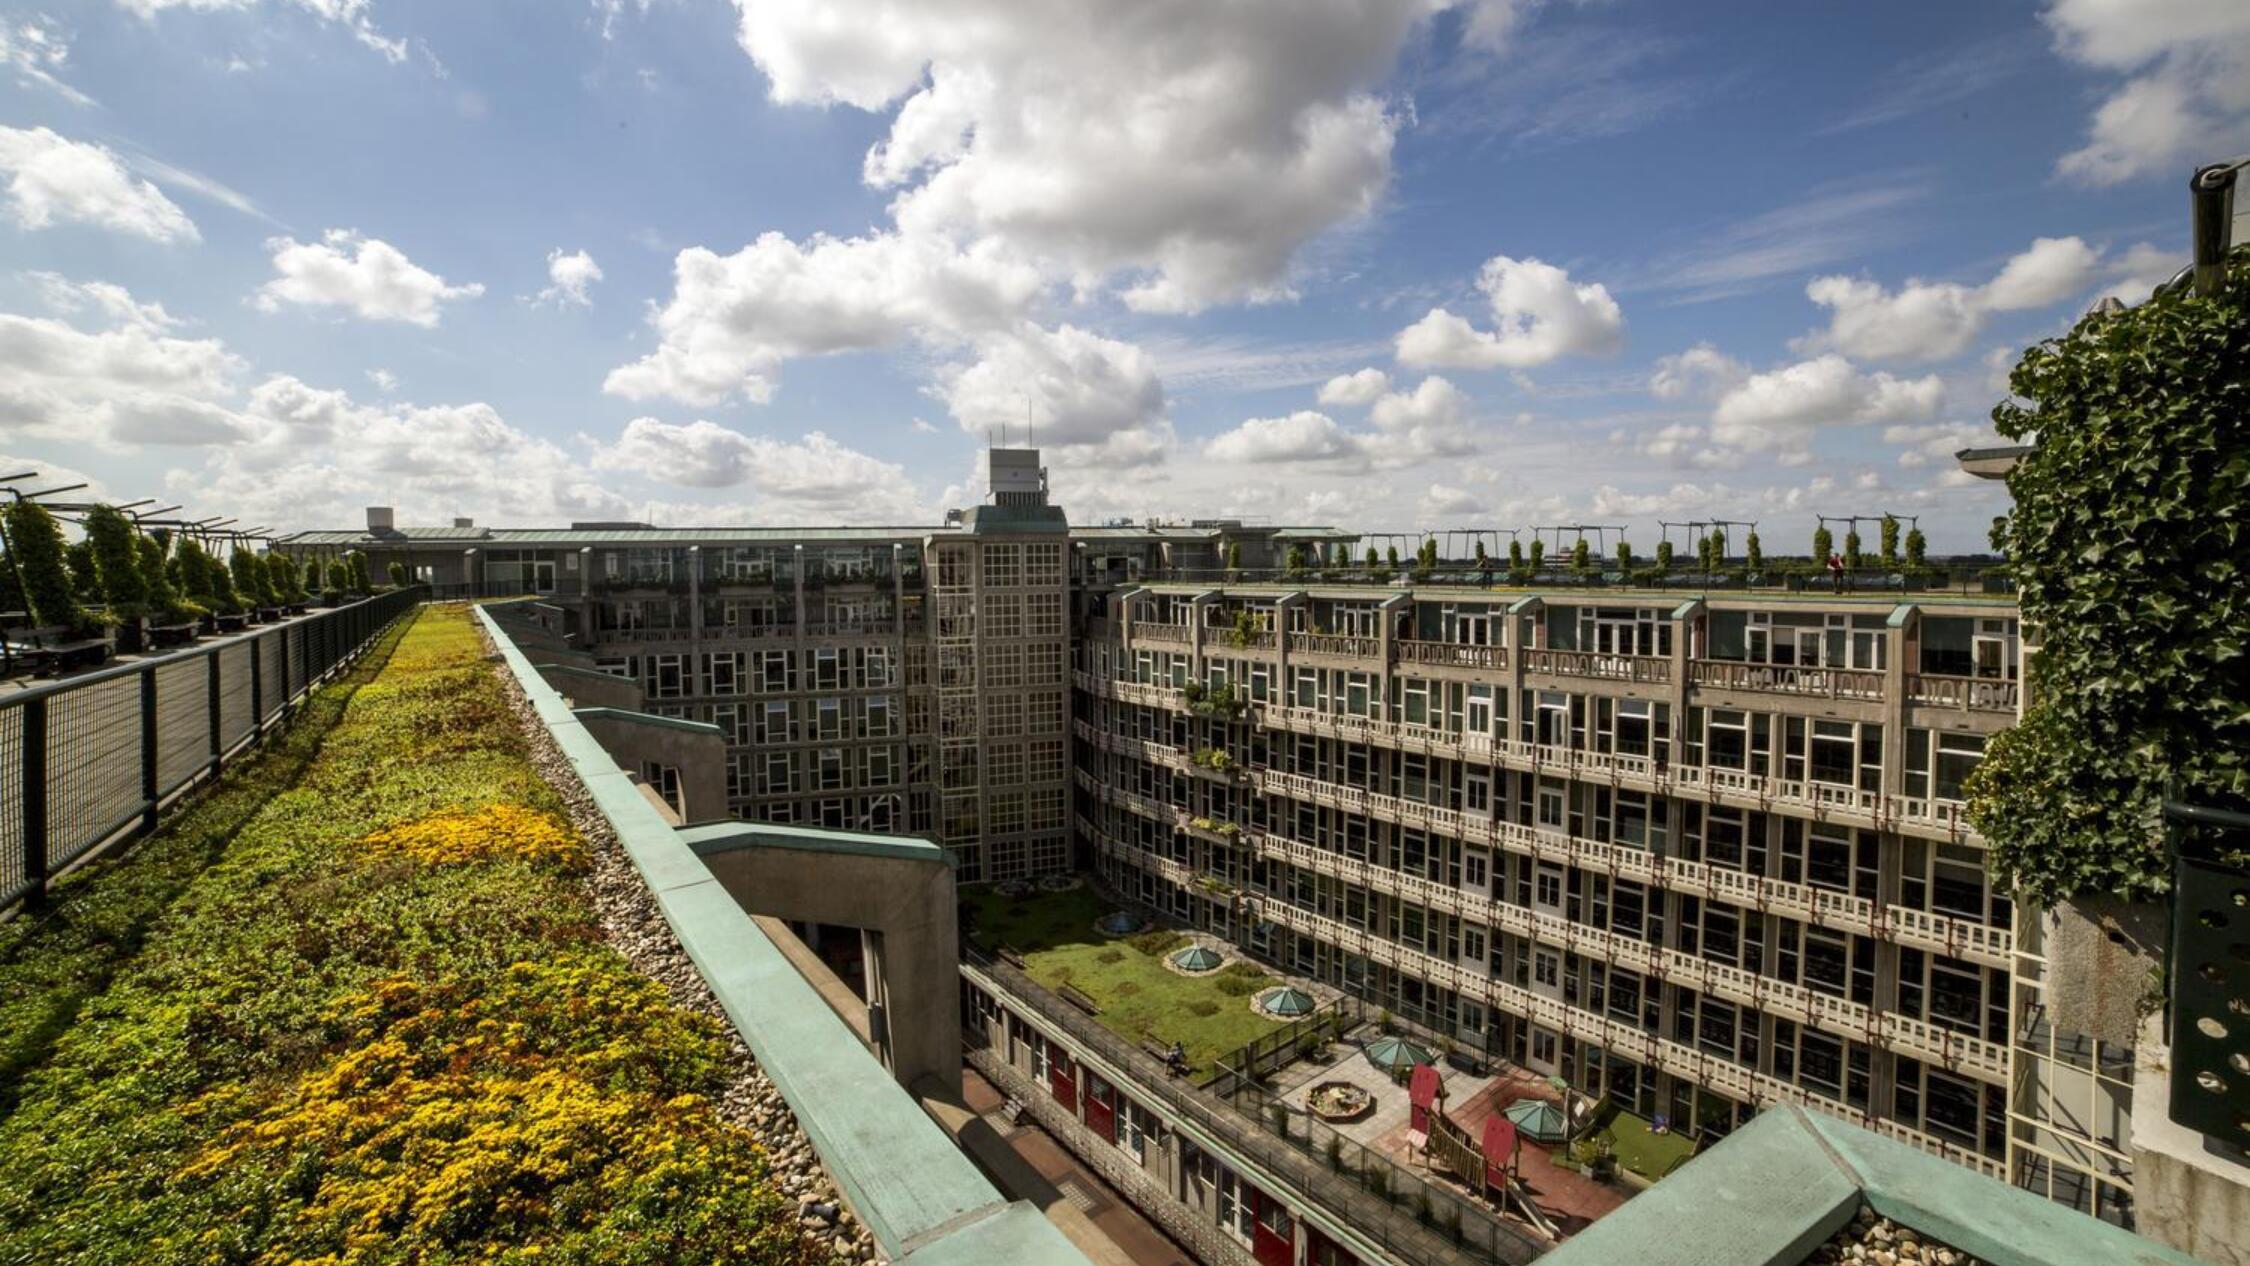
(1386, 264)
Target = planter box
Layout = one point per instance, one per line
(161, 636)
(233, 623)
(130, 637)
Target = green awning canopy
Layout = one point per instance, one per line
(1287, 1001)
(1196, 958)
(1539, 1120)
(1395, 1054)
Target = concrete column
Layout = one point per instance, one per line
(798, 553)
(695, 592)
(586, 593)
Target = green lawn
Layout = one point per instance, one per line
(1636, 1147)
(1138, 995)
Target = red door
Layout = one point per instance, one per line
(1101, 1108)
(1273, 1240)
(1062, 1078)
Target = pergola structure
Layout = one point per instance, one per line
(1851, 522)
(1600, 530)
(1697, 529)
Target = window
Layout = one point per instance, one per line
(1043, 615)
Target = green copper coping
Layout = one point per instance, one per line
(926, 1204)
(646, 718)
(723, 837)
(1774, 1190)
(575, 670)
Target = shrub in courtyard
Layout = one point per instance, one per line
(1108, 956)
(1204, 1007)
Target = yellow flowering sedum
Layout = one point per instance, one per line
(493, 833)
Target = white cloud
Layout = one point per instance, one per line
(1355, 388)
(52, 179)
(1075, 389)
(1779, 411)
(384, 380)
(1303, 436)
(1186, 147)
(734, 319)
(351, 14)
(568, 277)
(1430, 421)
(2188, 95)
(1539, 315)
(1700, 371)
(2050, 270)
(367, 275)
(107, 297)
(119, 387)
(1924, 320)
(35, 51)
(1935, 443)
(2138, 271)
(1684, 444)
(812, 480)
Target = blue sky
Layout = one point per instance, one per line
(1384, 263)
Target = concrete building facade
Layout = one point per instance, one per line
(1695, 852)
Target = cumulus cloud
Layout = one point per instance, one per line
(1700, 371)
(366, 275)
(55, 180)
(1303, 436)
(1430, 421)
(1075, 388)
(118, 387)
(1779, 411)
(1925, 320)
(734, 319)
(1539, 315)
(2187, 92)
(1184, 147)
(1355, 389)
(814, 479)
(568, 278)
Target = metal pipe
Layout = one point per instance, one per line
(2211, 194)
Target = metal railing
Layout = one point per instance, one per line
(92, 760)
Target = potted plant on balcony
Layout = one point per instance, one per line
(253, 584)
(355, 564)
(228, 602)
(336, 578)
(288, 582)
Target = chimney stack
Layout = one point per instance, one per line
(379, 519)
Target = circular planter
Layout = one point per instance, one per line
(1058, 883)
(1337, 1102)
(1121, 923)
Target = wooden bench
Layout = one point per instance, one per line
(1072, 995)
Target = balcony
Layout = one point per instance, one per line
(1650, 669)
(1786, 679)
(1836, 1015)
(1969, 694)
(1453, 655)
(1920, 816)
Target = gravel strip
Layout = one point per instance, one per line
(1868, 1240)
(636, 928)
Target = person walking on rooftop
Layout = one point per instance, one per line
(1836, 570)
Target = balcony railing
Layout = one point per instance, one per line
(1336, 644)
(91, 760)
(1453, 655)
(1971, 694)
(1630, 1040)
(1151, 631)
(1653, 669)
(1786, 679)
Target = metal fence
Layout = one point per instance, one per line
(1412, 1218)
(91, 760)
